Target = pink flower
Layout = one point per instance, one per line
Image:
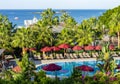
(113, 78)
(108, 73)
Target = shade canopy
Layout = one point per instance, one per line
(89, 47)
(98, 47)
(85, 68)
(52, 67)
(77, 47)
(64, 46)
(46, 49)
(32, 49)
(111, 47)
(55, 48)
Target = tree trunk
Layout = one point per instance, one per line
(118, 39)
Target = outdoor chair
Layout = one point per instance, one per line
(93, 55)
(35, 56)
(58, 56)
(39, 57)
(44, 57)
(96, 53)
(68, 56)
(51, 56)
(71, 56)
(114, 54)
(84, 54)
(9, 57)
(80, 55)
(87, 54)
(61, 56)
(75, 55)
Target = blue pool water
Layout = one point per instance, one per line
(67, 67)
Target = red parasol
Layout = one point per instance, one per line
(111, 47)
(46, 49)
(32, 49)
(85, 68)
(89, 47)
(17, 69)
(77, 47)
(64, 46)
(98, 47)
(54, 48)
(52, 67)
(26, 49)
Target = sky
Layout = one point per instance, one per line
(59, 4)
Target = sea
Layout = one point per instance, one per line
(18, 16)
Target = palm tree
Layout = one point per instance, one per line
(65, 36)
(83, 34)
(23, 38)
(68, 20)
(48, 17)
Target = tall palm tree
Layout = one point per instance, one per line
(68, 20)
(65, 36)
(83, 34)
(48, 17)
(22, 38)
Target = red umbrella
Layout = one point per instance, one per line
(52, 67)
(46, 49)
(32, 49)
(89, 47)
(85, 68)
(77, 47)
(26, 49)
(54, 48)
(17, 69)
(64, 46)
(111, 47)
(98, 47)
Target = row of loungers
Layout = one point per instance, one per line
(72, 56)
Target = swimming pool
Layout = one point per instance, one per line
(67, 67)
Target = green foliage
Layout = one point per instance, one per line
(48, 18)
(23, 38)
(5, 32)
(76, 73)
(109, 64)
(111, 19)
(41, 35)
(83, 35)
(66, 36)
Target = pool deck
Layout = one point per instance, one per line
(69, 60)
